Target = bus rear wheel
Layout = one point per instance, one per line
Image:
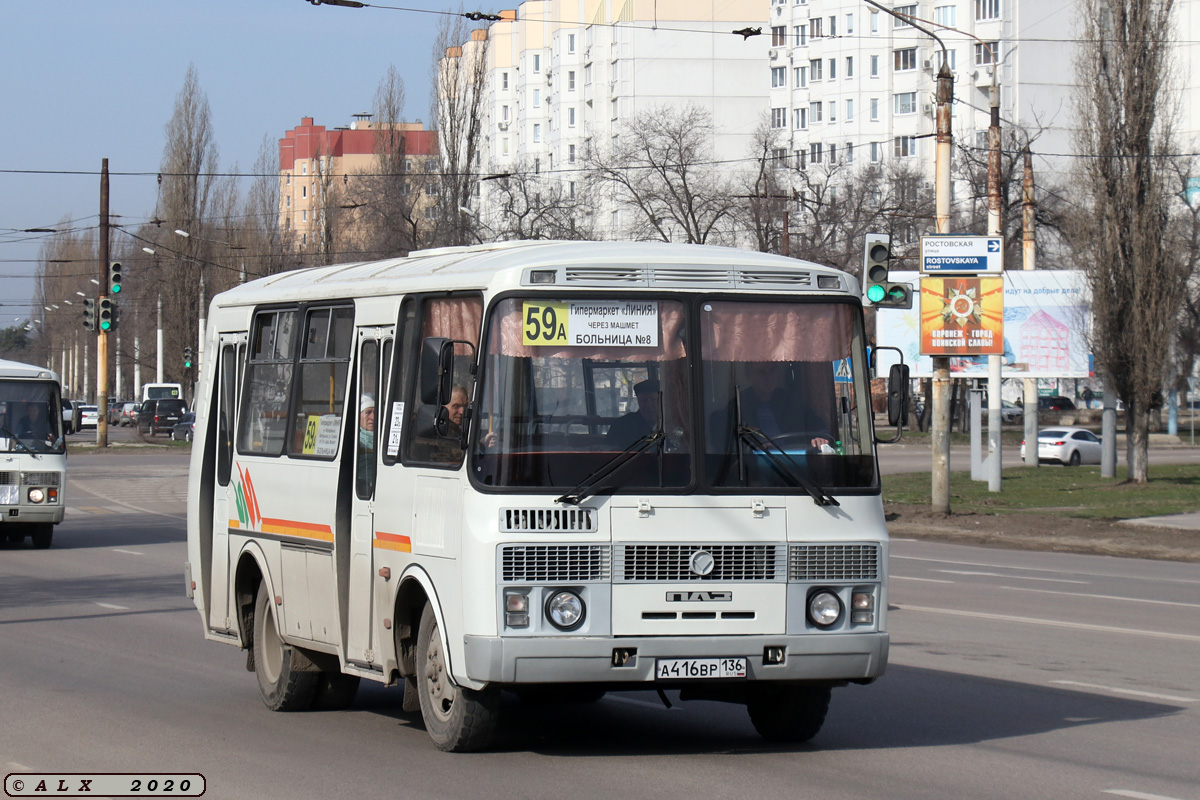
(783, 712)
(282, 688)
(457, 719)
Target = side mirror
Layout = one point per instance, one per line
(437, 370)
(897, 394)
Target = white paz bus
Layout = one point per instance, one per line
(557, 469)
(33, 453)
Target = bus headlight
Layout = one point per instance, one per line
(824, 608)
(565, 610)
(37, 495)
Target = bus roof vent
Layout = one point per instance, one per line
(691, 276)
(607, 276)
(548, 520)
(776, 277)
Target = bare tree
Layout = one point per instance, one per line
(764, 190)
(265, 243)
(660, 167)
(1137, 280)
(460, 59)
(528, 205)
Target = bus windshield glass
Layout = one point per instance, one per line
(30, 417)
(623, 394)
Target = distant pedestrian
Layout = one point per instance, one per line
(1088, 396)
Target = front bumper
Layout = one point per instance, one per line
(520, 660)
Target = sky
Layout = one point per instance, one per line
(86, 80)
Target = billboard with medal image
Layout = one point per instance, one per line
(962, 316)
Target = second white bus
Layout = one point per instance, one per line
(33, 453)
(557, 469)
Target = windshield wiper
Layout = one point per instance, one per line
(585, 487)
(18, 442)
(783, 461)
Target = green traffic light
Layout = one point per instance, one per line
(116, 288)
(105, 325)
(875, 293)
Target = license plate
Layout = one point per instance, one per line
(666, 669)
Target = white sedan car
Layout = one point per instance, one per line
(90, 417)
(1068, 446)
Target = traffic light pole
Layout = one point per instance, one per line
(102, 335)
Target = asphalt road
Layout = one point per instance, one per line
(1013, 675)
(902, 457)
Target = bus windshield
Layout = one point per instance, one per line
(673, 394)
(30, 417)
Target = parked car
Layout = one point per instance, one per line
(68, 416)
(89, 417)
(1056, 403)
(114, 411)
(1068, 446)
(129, 411)
(160, 416)
(182, 432)
(1011, 412)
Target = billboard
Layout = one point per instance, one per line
(1046, 319)
(962, 316)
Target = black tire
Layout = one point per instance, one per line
(43, 535)
(335, 691)
(458, 720)
(787, 712)
(282, 688)
(1074, 460)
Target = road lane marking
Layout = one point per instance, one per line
(83, 486)
(1041, 569)
(19, 767)
(1103, 597)
(110, 605)
(1117, 690)
(923, 580)
(1053, 623)
(128, 552)
(1138, 795)
(1010, 577)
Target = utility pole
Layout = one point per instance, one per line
(995, 207)
(1029, 262)
(940, 424)
(102, 335)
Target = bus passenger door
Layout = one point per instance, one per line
(360, 648)
(222, 405)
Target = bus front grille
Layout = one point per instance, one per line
(555, 563)
(834, 562)
(520, 520)
(645, 563)
(8, 478)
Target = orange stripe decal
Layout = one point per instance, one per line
(235, 523)
(392, 541)
(303, 530)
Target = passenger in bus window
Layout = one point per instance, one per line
(456, 408)
(34, 425)
(366, 441)
(642, 422)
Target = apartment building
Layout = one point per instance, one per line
(317, 168)
(564, 75)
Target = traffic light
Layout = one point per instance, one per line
(187, 358)
(877, 289)
(105, 314)
(114, 277)
(89, 314)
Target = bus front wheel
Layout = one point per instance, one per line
(43, 534)
(783, 712)
(457, 719)
(282, 688)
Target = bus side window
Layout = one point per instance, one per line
(228, 395)
(367, 437)
(265, 401)
(391, 419)
(453, 318)
(324, 371)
